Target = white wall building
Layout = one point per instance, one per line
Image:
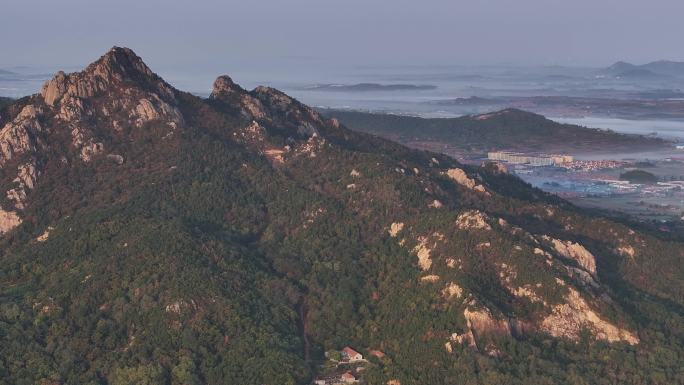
(532, 160)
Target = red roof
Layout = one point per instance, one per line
(349, 351)
(376, 353)
(348, 375)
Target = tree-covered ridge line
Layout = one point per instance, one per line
(507, 129)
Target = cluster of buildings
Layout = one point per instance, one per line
(662, 188)
(532, 160)
(593, 165)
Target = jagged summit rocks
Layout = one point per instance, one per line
(120, 81)
(234, 97)
(223, 86)
(114, 69)
(270, 107)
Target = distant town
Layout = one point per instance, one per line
(532, 160)
(604, 183)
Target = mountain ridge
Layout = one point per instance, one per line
(164, 238)
(510, 128)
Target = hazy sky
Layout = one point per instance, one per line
(208, 34)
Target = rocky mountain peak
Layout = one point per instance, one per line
(269, 106)
(223, 86)
(96, 108)
(122, 60)
(118, 90)
(119, 81)
(118, 69)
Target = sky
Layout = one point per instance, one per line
(208, 35)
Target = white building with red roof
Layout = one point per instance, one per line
(351, 355)
(348, 378)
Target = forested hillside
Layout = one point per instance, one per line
(507, 129)
(149, 236)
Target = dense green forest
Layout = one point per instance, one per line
(242, 245)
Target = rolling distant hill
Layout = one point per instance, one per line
(367, 87)
(652, 104)
(150, 236)
(620, 67)
(661, 68)
(507, 129)
(666, 67)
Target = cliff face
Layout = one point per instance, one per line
(19, 141)
(149, 222)
(569, 318)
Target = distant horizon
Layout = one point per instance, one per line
(582, 33)
(262, 73)
(73, 66)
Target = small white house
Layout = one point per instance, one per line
(351, 355)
